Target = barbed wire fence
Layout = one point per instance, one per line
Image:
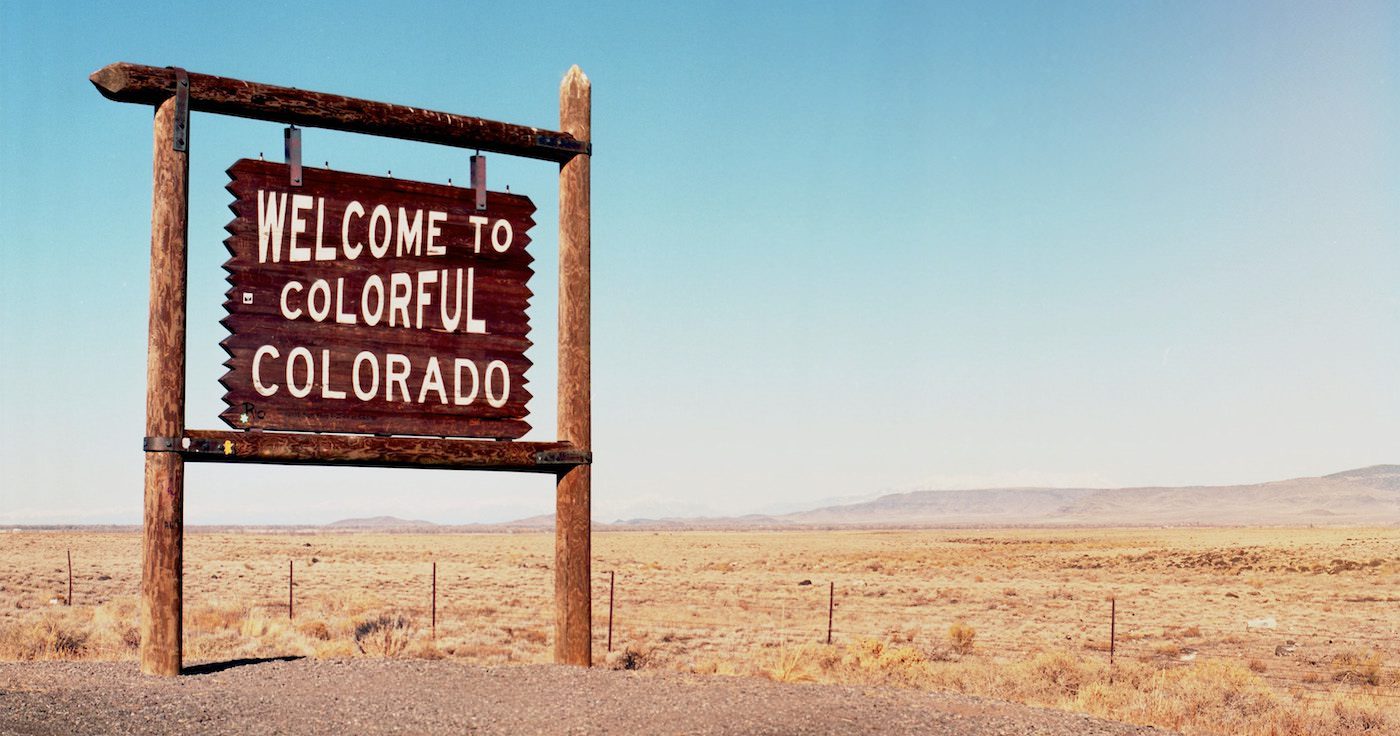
(736, 620)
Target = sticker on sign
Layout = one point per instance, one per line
(363, 304)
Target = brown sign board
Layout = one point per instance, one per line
(363, 304)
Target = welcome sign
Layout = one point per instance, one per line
(374, 305)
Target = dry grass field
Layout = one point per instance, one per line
(1017, 614)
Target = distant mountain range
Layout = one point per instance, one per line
(376, 523)
(1365, 496)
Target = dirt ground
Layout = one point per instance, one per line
(415, 696)
(1303, 621)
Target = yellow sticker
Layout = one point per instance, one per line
(228, 447)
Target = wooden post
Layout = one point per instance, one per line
(612, 588)
(830, 610)
(69, 600)
(164, 516)
(1112, 628)
(573, 594)
(435, 599)
(289, 590)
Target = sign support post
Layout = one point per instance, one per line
(163, 527)
(573, 587)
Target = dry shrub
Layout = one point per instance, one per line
(1359, 668)
(214, 617)
(1059, 675)
(113, 629)
(486, 652)
(716, 667)
(529, 635)
(1167, 649)
(961, 636)
(792, 664)
(875, 662)
(334, 649)
(426, 650)
(315, 630)
(50, 637)
(1361, 715)
(385, 635)
(634, 656)
(1211, 696)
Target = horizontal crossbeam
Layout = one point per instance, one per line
(151, 85)
(289, 448)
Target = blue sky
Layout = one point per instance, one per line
(839, 249)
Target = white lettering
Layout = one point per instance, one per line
(502, 244)
(424, 296)
(257, 372)
(381, 214)
(450, 323)
(396, 368)
(457, 365)
(342, 317)
(410, 236)
(491, 398)
(474, 326)
(286, 312)
(434, 217)
(296, 252)
(478, 221)
(326, 253)
(375, 284)
(351, 252)
(271, 219)
(302, 391)
(319, 286)
(360, 392)
(326, 392)
(400, 294)
(432, 381)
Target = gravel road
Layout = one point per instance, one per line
(441, 697)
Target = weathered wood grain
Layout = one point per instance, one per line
(124, 82)
(163, 526)
(499, 296)
(573, 588)
(285, 448)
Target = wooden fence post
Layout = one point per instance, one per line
(612, 588)
(69, 600)
(830, 610)
(434, 599)
(573, 593)
(1112, 629)
(1112, 634)
(164, 516)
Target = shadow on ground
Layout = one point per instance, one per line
(209, 668)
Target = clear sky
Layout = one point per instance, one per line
(838, 249)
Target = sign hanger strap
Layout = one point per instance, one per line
(180, 141)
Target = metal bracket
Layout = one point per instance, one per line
(478, 174)
(564, 457)
(291, 152)
(187, 446)
(181, 137)
(165, 444)
(565, 144)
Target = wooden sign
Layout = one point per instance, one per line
(371, 305)
(364, 305)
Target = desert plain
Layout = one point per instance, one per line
(1202, 630)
